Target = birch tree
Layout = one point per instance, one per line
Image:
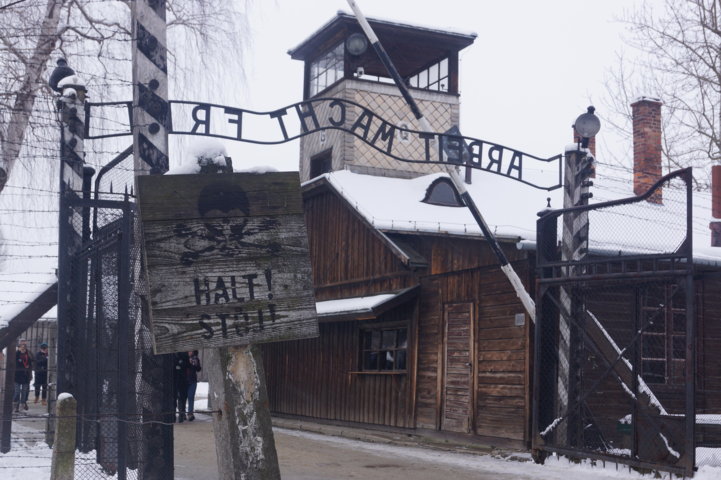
(679, 42)
(95, 37)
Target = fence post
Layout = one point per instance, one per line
(244, 442)
(7, 400)
(63, 463)
(52, 388)
(574, 246)
(150, 125)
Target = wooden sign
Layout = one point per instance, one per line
(227, 259)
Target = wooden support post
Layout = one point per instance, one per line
(52, 389)
(7, 398)
(63, 463)
(243, 432)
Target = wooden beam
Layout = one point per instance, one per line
(29, 315)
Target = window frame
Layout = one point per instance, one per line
(666, 333)
(322, 70)
(363, 349)
(441, 183)
(434, 78)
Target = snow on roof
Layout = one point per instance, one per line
(348, 305)
(511, 210)
(348, 14)
(22, 280)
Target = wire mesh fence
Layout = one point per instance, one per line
(616, 364)
(105, 356)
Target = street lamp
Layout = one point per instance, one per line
(587, 125)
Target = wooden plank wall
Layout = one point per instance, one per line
(344, 249)
(314, 378)
(709, 346)
(430, 346)
(502, 368)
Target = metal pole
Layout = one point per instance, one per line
(506, 267)
(151, 115)
(7, 400)
(72, 159)
(574, 247)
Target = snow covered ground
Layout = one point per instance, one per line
(29, 459)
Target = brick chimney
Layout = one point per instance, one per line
(646, 114)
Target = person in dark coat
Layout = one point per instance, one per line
(41, 373)
(192, 376)
(23, 375)
(180, 382)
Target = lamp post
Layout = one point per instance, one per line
(587, 125)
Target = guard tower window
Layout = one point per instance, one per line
(321, 163)
(441, 192)
(433, 78)
(326, 70)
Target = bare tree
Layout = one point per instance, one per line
(95, 36)
(679, 43)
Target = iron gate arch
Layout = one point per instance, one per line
(615, 339)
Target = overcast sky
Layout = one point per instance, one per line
(529, 74)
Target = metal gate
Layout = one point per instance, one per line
(615, 340)
(105, 358)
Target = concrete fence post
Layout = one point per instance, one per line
(63, 463)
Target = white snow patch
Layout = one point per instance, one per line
(669, 447)
(628, 391)
(21, 285)
(553, 425)
(202, 151)
(395, 205)
(351, 304)
(486, 466)
(71, 80)
(259, 169)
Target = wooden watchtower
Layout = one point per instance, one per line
(340, 63)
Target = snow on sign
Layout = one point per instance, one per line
(227, 259)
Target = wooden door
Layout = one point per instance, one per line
(457, 401)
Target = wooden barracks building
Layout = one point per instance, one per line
(419, 327)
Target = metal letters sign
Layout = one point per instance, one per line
(227, 259)
(303, 118)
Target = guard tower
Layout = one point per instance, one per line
(340, 63)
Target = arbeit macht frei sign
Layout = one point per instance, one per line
(318, 114)
(227, 259)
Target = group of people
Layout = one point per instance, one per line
(25, 364)
(185, 376)
(186, 367)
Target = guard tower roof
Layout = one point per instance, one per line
(411, 47)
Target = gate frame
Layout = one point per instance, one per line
(85, 252)
(553, 272)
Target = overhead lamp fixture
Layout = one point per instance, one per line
(356, 44)
(587, 125)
